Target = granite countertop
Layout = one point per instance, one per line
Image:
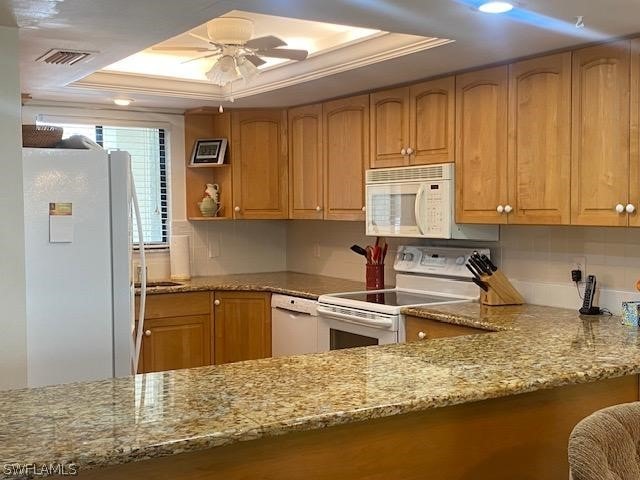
(128, 419)
(287, 283)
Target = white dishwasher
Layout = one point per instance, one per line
(294, 325)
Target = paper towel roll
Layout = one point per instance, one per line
(179, 255)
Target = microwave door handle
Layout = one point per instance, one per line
(418, 208)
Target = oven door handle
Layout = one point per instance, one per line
(418, 208)
(380, 323)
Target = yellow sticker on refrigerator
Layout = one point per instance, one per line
(60, 222)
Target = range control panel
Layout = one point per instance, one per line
(440, 261)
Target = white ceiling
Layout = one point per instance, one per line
(119, 28)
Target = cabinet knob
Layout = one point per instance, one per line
(422, 335)
(619, 208)
(500, 209)
(409, 150)
(508, 209)
(147, 333)
(630, 208)
(318, 208)
(216, 302)
(364, 209)
(403, 151)
(236, 209)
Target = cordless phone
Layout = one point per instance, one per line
(589, 293)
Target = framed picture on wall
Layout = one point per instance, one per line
(208, 152)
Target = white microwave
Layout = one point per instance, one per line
(417, 202)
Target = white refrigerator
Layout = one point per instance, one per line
(77, 209)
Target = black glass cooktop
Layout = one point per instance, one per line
(395, 298)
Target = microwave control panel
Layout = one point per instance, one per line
(436, 201)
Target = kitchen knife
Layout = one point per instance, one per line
(480, 266)
(484, 265)
(486, 260)
(359, 250)
(480, 283)
(475, 272)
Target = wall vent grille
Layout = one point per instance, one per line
(58, 56)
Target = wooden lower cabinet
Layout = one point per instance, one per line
(242, 326)
(177, 332)
(418, 329)
(176, 342)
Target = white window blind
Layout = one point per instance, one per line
(147, 147)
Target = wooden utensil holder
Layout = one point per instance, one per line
(501, 292)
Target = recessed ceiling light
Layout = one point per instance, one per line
(122, 102)
(495, 7)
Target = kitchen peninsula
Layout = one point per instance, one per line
(508, 397)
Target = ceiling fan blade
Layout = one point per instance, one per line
(288, 53)
(200, 57)
(200, 37)
(181, 49)
(256, 60)
(265, 43)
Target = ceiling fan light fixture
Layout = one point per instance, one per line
(247, 70)
(223, 71)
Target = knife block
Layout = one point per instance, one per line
(501, 292)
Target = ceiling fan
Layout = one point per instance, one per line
(239, 55)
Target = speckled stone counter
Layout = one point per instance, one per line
(129, 419)
(287, 283)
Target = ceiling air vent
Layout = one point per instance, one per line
(63, 57)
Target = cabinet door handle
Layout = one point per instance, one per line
(147, 333)
(236, 209)
(409, 150)
(216, 302)
(403, 152)
(364, 209)
(422, 335)
(318, 208)
(508, 209)
(630, 208)
(619, 208)
(500, 209)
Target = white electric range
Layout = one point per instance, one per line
(427, 276)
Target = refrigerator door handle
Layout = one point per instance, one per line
(143, 278)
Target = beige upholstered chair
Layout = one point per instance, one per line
(606, 445)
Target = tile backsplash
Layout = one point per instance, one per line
(537, 259)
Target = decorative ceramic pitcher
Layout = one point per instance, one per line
(210, 205)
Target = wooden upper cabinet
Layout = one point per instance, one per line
(242, 326)
(634, 166)
(305, 162)
(481, 149)
(540, 140)
(600, 166)
(260, 187)
(345, 125)
(432, 121)
(389, 128)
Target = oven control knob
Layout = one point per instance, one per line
(422, 335)
(460, 261)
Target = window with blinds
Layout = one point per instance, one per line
(147, 147)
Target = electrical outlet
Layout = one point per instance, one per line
(579, 263)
